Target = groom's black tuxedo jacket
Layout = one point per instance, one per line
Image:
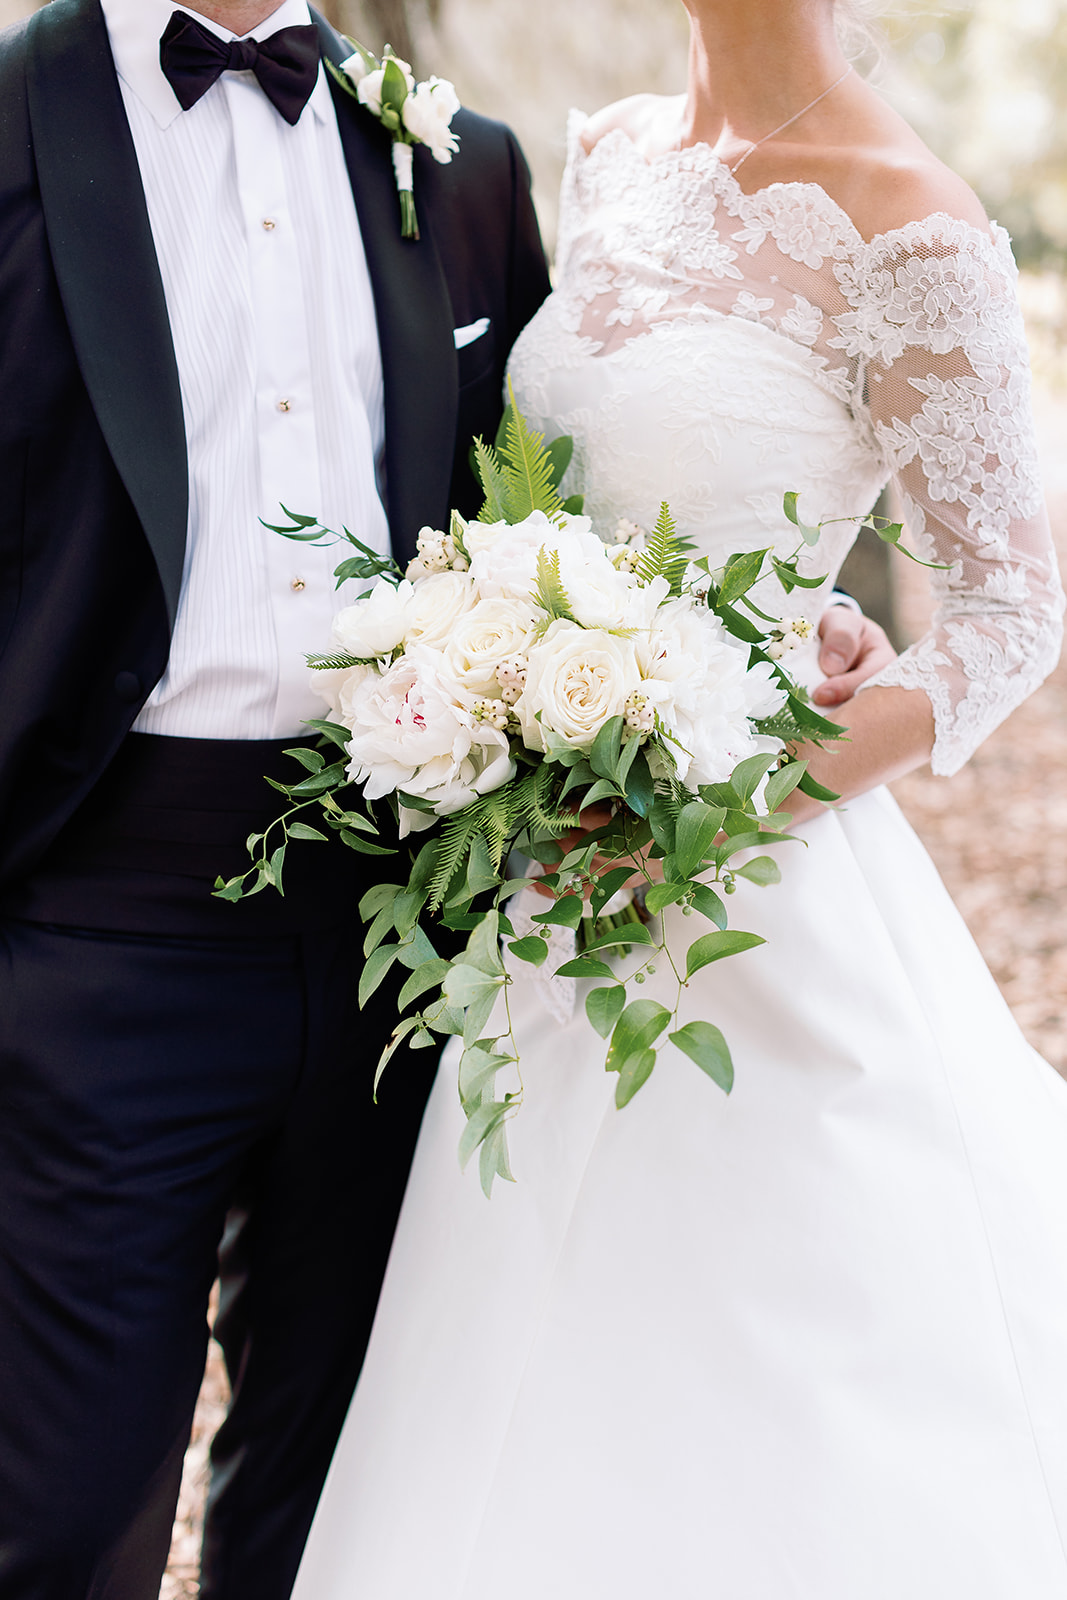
(93, 472)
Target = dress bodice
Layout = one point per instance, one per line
(716, 349)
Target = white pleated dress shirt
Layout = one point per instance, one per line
(276, 340)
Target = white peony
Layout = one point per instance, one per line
(438, 603)
(576, 680)
(428, 113)
(698, 678)
(489, 633)
(373, 628)
(411, 733)
(341, 689)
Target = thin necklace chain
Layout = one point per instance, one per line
(790, 121)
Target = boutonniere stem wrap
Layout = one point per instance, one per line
(414, 113)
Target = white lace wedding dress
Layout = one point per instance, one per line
(808, 1342)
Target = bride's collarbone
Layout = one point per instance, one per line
(879, 186)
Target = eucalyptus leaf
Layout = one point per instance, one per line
(763, 870)
(603, 1007)
(531, 949)
(429, 976)
(715, 946)
(566, 912)
(633, 1075)
(639, 1026)
(375, 969)
(704, 1044)
(584, 967)
(707, 902)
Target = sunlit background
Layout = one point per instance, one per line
(985, 84)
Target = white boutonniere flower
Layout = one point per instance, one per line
(414, 113)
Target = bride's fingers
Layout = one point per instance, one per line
(857, 650)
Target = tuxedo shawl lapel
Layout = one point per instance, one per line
(106, 267)
(415, 326)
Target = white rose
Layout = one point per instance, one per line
(428, 113)
(577, 679)
(369, 89)
(489, 633)
(436, 606)
(355, 68)
(375, 627)
(411, 733)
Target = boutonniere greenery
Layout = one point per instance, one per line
(414, 113)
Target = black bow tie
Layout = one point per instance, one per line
(286, 64)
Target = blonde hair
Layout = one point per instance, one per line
(855, 20)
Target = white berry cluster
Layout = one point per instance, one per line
(511, 676)
(639, 716)
(437, 552)
(493, 712)
(625, 544)
(790, 632)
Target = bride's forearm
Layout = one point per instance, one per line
(890, 731)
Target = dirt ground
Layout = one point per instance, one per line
(998, 834)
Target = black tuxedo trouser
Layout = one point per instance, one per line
(166, 1062)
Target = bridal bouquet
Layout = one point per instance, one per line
(520, 672)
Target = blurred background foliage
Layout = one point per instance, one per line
(984, 82)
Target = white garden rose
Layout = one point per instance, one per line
(355, 68)
(491, 632)
(373, 628)
(438, 602)
(411, 733)
(369, 87)
(428, 113)
(576, 680)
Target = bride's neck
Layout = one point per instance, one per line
(753, 63)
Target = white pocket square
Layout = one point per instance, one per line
(465, 336)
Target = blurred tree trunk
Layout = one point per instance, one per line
(379, 22)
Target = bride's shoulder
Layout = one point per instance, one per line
(638, 116)
(886, 189)
(885, 177)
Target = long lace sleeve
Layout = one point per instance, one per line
(934, 322)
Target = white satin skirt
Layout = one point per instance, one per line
(808, 1342)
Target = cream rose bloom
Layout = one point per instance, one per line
(436, 606)
(489, 633)
(577, 679)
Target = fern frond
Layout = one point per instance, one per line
(452, 852)
(666, 554)
(529, 467)
(550, 594)
(337, 663)
(493, 480)
(784, 727)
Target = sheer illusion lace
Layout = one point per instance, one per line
(786, 352)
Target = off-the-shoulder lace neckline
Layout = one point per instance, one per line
(996, 239)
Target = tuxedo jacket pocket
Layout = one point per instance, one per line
(475, 350)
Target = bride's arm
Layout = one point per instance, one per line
(932, 319)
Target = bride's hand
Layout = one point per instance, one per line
(852, 649)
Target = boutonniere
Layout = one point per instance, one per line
(414, 113)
